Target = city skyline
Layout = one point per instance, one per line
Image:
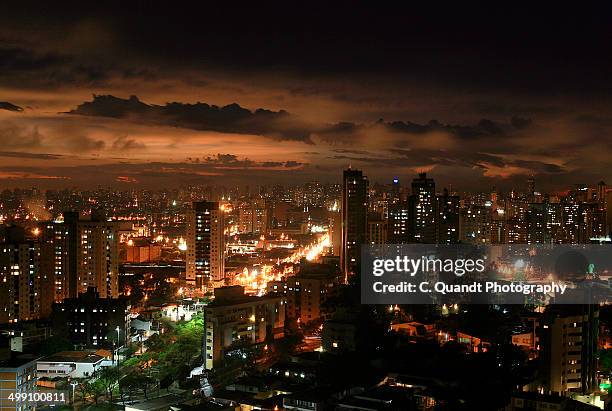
(421, 93)
(300, 206)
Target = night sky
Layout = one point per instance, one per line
(291, 92)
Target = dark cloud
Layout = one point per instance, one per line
(467, 67)
(225, 161)
(199, 116)
(231, 168)
(487, 135)
(423, 158)
(5, 105)
(279, 125)
(39, 156)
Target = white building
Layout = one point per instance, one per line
(73, 364)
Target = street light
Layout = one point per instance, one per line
(117, 350)
(73, 384)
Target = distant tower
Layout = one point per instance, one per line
(354, 219)
(395, 191)
(494, 195)
(447, 218)
(205, 244)
(422, 210)
(531, 189)
(601, 194)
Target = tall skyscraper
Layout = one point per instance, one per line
(601, 194)
(422, 209)
(22, 278)
(335, 225)
(475, 224)
(447, 218)
(354, 219)
(205, 244)
(537, 228)
(531, 189)
(399, 223)
(377, 229)
(395, 196)
(397, 215)
(56, 236)
(71, 221)
(98, 256)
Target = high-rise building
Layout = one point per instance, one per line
(71, 222)
(475, 224)
(377, 229)
(447, 218)
(608, 208)
(569, 349)
(422, 210)
(354, 219)
(17, 376)
(395, 195)
(601, 194)
(83, 253)
(308, 290)
(235, 317)
(335, 226)
(92, 321)
(22, 278)
(56, 236)
(399, 223)
(537, 224)
(253, 216)
(531, 189)
(205, 244)
(98, 256)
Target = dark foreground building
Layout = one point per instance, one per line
(91, 321)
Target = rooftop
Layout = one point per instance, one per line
(74, 356)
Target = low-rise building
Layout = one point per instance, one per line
(17, 376)
(234, 317)
(542, 402)
(73, 364)
(308, 290)
(339, 334)
(91, 321)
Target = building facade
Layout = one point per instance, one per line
(354, 219)
(234, 319)
(205, 244)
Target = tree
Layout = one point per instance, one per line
(605, 359)
(134, 381)
(109, 377)
(96, 389)
(83, 389)
(154, 343)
